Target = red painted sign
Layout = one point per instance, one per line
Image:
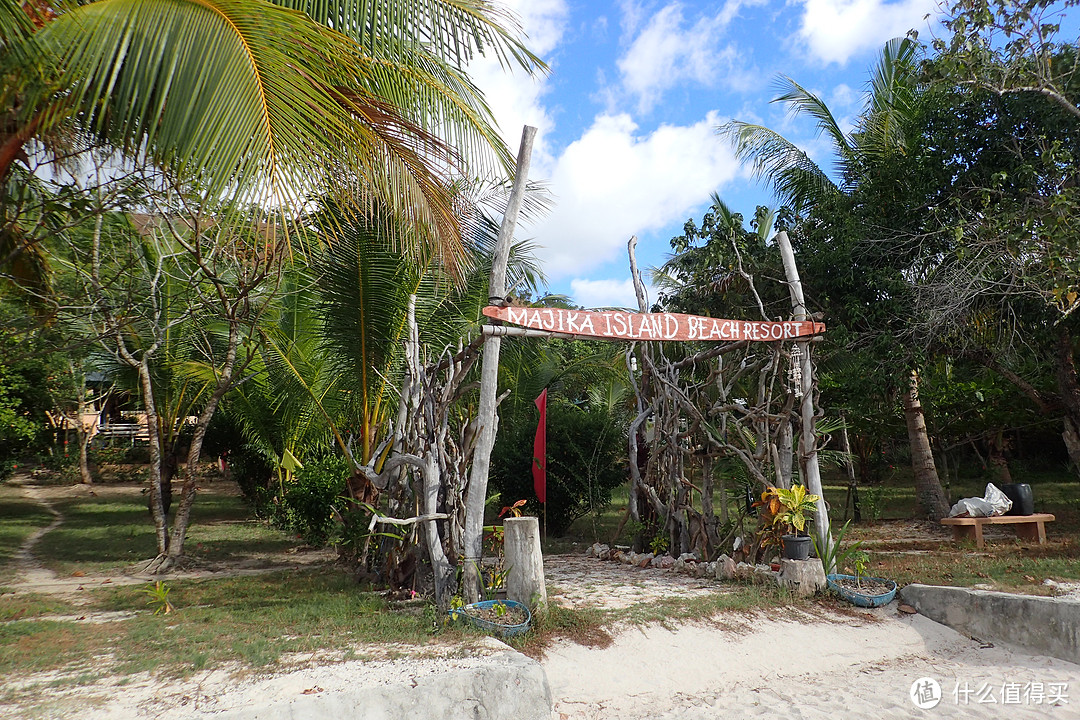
(613, 325)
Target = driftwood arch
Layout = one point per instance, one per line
(688, 408)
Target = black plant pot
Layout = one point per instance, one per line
(797, 547)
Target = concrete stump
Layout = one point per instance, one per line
(803, 577)
(525, 562)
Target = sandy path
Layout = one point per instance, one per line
(836, 667)
(788, 665)
(28, 570)
(791, 665)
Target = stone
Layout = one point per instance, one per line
(666, 561)
(688, 557)
(597, 550)
(679, 565)
(626, 558)
(656, 561)
(802, 577)
(764, 575)
(618, 555)
(725, 568)
(645, 560)
(743, 571)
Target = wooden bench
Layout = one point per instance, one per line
(1028, 527)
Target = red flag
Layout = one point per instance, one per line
(539, 467)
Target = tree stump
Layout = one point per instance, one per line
(525, 562)
(802, 577)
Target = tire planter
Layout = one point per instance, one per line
(797, 547)
(857, 598)
(495, 627)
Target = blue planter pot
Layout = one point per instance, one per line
(503, 630)
(855, 597)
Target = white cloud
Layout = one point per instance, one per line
(834, 30)
(668, 52)
(515, 99)
(615, 182)
(604, 293)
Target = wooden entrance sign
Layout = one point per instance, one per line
(614, 325)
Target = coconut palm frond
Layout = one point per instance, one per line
(796, 179)
(801, 101)
(454, 30)
(891, 99)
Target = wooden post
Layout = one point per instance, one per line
(524, 562)
(489, 381)
(808, 441)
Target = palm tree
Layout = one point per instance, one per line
(883, 132)
(270, 101)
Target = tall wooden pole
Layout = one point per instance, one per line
(808, 441)
(489, 381)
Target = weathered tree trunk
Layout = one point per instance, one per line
(853, 483)
(998, 462)
(82, 435)
(1069, 387)
(161, 529)
(784, 444)
(487, 417)
(182, 518)
(933, 503)
(808, 436)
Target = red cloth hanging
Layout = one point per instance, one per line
(539, 464)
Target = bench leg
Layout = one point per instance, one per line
(1033, 531)
(968, 532)
(979, 536)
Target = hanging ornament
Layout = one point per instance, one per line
(795, 371)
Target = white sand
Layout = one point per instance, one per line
(837, 667)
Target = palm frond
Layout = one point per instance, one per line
(454, 30)
(891, 99)
(801, 101)
(796, 179)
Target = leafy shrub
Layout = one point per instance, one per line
(306, 506)
(253, 473)
(586, 459)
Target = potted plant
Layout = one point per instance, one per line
(790, 514)
(859, 589)
(504, 617)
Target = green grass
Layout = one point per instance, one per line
(110, 532)
(32, 605)
(254, 621)
(20, 518)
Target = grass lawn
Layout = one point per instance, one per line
(112, 531)
(19, 518)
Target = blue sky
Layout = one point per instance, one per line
(628, 113)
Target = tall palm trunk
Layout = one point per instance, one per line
(933, 503)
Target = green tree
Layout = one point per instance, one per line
(1004, 289)
(833, 215)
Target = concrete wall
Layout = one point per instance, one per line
(510, 686)
(1041, 625)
